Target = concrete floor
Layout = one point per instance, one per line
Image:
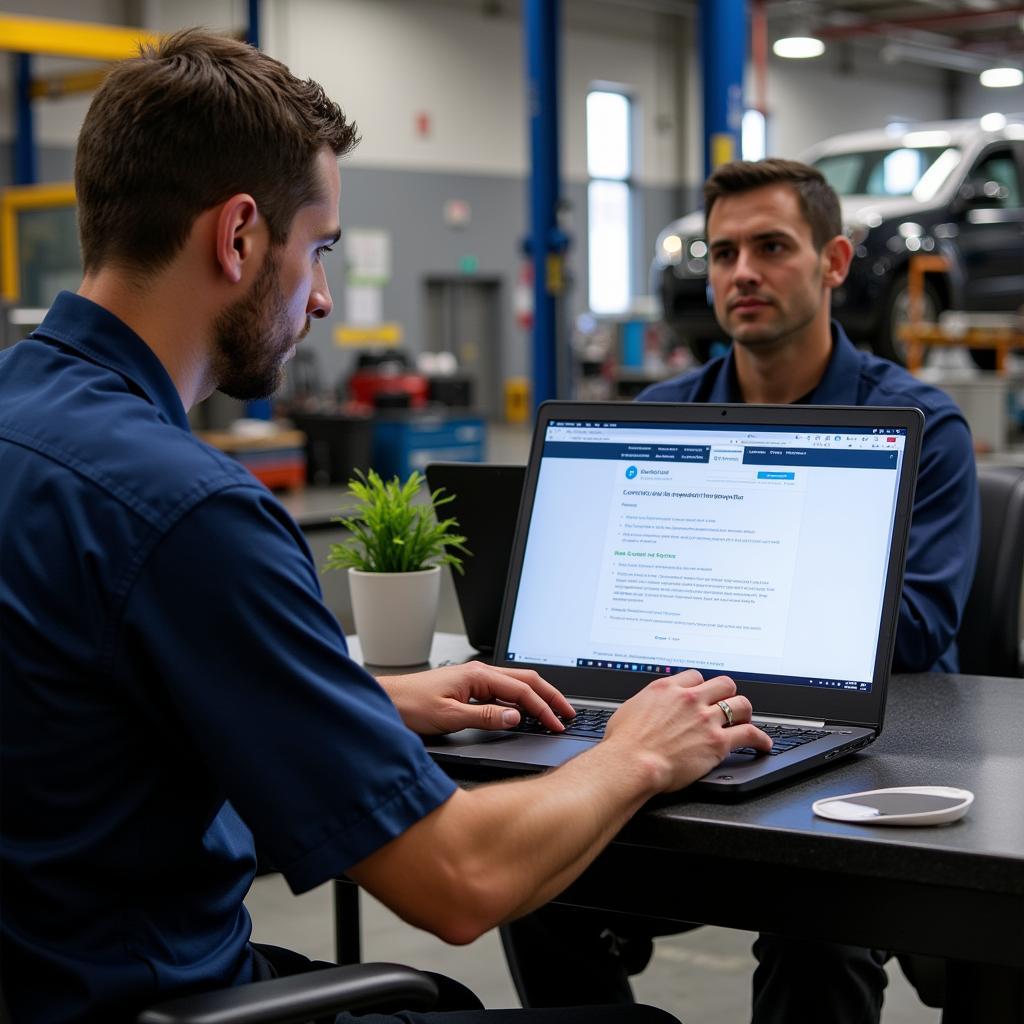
(703, 975)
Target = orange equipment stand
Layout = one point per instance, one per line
(919, 334)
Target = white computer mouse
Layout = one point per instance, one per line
(900, 805)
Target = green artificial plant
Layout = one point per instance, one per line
(391, 532)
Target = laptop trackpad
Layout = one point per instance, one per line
(521, 749)
(735, 759)
(467, 737)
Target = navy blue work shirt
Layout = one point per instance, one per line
(165, 649)
(945, 528)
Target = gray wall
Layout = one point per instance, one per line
(409, 204)
(53, 163)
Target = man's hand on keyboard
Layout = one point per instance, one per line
(676, 725)
(439, 701)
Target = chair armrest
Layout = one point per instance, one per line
(302, 997)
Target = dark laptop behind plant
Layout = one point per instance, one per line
(485, 501)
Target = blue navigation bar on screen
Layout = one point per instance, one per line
(753, 455)
(639, 452)
(839, 458)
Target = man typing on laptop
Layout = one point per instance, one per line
(776, 252)
(165, 645)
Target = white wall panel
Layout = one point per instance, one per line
(218, 15)
(976, 100)
(645, 70)
(386, 63)
(808, 101)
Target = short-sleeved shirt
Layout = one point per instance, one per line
(945, 528)
(165, 649)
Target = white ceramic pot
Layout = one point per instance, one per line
(395, 614)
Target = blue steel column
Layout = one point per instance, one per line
(723, 33)
(24, 127)
(546, 243)
(260, 408)
(252, 32)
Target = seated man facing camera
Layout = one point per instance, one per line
(776, 251)
(165, 648)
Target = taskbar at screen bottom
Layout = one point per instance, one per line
(654, 668)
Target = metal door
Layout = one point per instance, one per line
(464, 318)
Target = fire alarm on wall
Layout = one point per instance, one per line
(457, 213)
(422, 124)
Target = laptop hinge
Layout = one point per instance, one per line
(807, 723)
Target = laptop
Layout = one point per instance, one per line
(485, 502)
(766, 543)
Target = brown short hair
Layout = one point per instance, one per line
(191, 121)
(818, 201)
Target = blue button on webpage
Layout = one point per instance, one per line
(768, 475)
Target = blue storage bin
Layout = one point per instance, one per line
(404, 443)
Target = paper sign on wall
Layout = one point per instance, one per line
(367, 256)
(363, 304)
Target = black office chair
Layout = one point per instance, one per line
(990, 634)
(385, 988)
(303, 997)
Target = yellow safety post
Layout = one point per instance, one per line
(517, 400)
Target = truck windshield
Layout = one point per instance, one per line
(888, 172)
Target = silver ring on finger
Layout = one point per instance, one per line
(727, 711)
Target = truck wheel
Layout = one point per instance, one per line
(886, 342)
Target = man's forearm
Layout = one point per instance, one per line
(497, 851)
(490, 846)
(593, 797)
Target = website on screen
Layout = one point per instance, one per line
(742, 549)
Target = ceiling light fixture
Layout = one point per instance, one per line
(798, 47)
(1002, 78)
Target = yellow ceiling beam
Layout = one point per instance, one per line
(80, 39)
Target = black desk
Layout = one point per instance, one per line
(954, 891)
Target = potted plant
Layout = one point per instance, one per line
(394, 555)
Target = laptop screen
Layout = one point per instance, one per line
(758, 551)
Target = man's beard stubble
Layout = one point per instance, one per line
(252, 337)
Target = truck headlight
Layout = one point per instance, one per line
(671, 249)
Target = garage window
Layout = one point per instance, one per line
(609, 201)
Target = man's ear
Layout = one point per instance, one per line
(240, 236)
(835, 259)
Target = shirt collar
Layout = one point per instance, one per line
(101, 337)
(838, 385)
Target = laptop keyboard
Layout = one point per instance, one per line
(785, 737)
(590, 723)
